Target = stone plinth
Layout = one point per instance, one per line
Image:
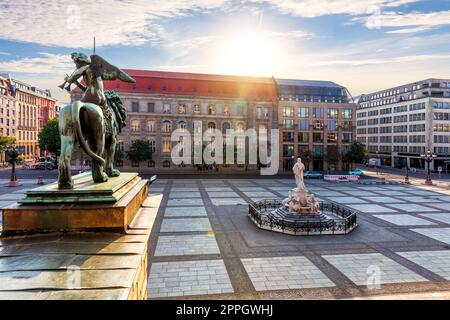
(109, 206)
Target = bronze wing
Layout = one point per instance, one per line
(102, 68)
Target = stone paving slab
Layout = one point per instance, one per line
(412, 207)
(363, 269)
(227, 201)
(439, 234)
(392, 193)
(12, 196)
(184, 212)
(185, 225)
(185, 202)
(346, 200)
(227, 189)
(186, 278)
(184, 195)
(222, 194)
(279, 273)
(371, 208)
(179, 189)
(5, 203)
(186, 245)
(260, 194)
(442, 217)
(329, 194)
(421, 200)
(360, 193)
(404, 220)
(442, 206)
(423, 193)
(383, 199)
(435, 261)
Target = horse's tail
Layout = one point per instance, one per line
(76, 108)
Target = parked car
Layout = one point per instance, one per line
(356, 172)
(44, 166)
(312, 175)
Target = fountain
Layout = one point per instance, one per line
(301, 213)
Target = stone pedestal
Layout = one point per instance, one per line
(109, 206)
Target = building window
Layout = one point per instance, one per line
(166, 164)
(149, 88)
(318, 137)
(288, 124)
(331, 125)
(303, 112)
(318, 151)
(164, 88)
(333, 113)
(212, 109)
(166, 108)
(225, 126)
(135, 125)
(211, 126)
(347, 113)
(182, 125)
(151, 164)
(181, 108)
(303, 125)
(150, 107)
(196, 108)
(318, 113)
(262, 129)
(152, 145)
(347, 137)
(262, 113)
(331, 137)
(226, 110)
(318, 125)
(151, 126)
(288, 150)
(135, 107)
(166, 126)
(166, 145)
(288, 112)
(303, 137)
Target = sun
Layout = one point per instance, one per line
(249, 54)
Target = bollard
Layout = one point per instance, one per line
(40, 180)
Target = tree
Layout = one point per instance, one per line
(6, 141)
(307, 156)
(118, 156)
(357, 153)
(49, 139)
(139, 151)
(332, 154)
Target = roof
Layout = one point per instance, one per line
(196, 76)
(307, 83)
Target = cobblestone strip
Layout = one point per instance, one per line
(240, 280)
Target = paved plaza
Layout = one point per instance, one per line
(203, 245)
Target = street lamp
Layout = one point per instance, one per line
(13, 153)
(428, 157)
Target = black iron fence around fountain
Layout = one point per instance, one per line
(345, 219)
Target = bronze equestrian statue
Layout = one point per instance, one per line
(94, 121)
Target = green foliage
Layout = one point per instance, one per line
(6, 141)
(332, 154)
(49, 138)
(118, 155)
(139, 151)
(357, 153)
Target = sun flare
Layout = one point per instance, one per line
(249, 54)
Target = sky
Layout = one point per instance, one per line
(365, 45)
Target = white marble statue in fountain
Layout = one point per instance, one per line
(299, 201)
(298, 169)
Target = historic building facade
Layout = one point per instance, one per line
(8, 125)
(398, 124)
(314, 115)
(160, 102)
(33, 108)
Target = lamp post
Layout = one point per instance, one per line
(13, 153)
(428, 157)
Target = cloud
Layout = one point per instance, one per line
(314, 8)
(4, 53)
(377, 61)
(410, 22)
(45, 63)
(73, 24)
